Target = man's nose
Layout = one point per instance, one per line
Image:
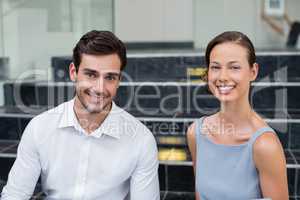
(99, 85)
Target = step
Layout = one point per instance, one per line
(170, 153)
(165, 99)
(177, 176)
(274, 66)
(12, 124)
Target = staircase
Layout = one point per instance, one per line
(165, 92)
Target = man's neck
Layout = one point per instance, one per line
(87, 120)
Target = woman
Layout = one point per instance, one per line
(236, 155)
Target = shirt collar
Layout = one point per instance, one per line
(110, 126)
(68, 116)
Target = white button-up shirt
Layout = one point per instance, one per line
(117, 161)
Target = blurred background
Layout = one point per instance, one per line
(162, 85)
(32, 31)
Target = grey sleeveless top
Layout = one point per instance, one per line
(226, 172)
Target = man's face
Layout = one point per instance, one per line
(96, 81)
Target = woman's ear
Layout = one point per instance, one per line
(254, 71)
(72, 72)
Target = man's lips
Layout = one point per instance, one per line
(95, 96)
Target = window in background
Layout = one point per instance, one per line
(33, 31)
(274, 7)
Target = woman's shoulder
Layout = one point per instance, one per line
(266, 149)
(197, 124)
(191, 130)
(190, 133)
(265, 136)
(267, 142)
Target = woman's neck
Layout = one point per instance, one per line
(238, 112)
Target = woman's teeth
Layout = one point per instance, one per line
(225, 89)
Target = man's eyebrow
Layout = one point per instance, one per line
(90, 70)
(113, 74)
(96, 72)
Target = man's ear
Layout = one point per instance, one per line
(72, 72)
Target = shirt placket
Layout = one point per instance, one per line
(81, 178)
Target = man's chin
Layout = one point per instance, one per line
(97, 108)
(94, 107)
(94, 111)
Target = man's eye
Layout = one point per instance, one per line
(90, 75)
(111, 78)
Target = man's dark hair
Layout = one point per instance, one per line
(99, 43)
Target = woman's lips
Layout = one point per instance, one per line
(225, 89)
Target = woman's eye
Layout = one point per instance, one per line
(214, 67)
(235, 67)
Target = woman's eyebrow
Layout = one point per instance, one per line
(214, 62)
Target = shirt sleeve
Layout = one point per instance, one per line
(26, 169)
(144, 182)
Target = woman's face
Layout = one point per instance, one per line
(229, 73)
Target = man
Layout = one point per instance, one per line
(88, 148)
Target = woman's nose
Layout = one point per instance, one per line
(223, 75)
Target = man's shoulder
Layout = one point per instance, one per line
(133, 125)
(43, 125)
(127, 117)
(53, 115)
